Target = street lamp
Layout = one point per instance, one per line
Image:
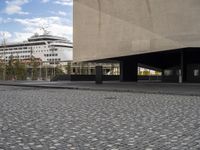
(40, 69)
(4, 60)
(54, 61)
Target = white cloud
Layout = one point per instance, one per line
(21, 36)
(56, 25)
(5, 20)
(15, 7)
(1, 20)
(64, 2)
(45, 1)
(5, 34)
(62, 13)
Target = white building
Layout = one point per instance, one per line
(49, 48)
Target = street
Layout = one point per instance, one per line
(63, 119)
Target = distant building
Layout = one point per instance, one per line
(50, 49)
(164, 35)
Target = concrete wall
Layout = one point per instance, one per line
(113, 28)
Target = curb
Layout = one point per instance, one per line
(101, 89)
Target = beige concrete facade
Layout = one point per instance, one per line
(114, 28)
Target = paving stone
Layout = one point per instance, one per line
(32, 118)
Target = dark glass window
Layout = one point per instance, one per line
(168, 72)
(196, 72)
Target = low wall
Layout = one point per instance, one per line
(84, 78)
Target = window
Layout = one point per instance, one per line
(168, 72)
(196, 72)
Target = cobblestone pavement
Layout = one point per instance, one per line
(49, 119)
(185, 89)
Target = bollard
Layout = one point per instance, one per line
(99, 75)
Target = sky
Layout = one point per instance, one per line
(20, 19)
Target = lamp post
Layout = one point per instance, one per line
(46, 70)
(4, 59)
(54, 61)
(40, 69)
(32, 63)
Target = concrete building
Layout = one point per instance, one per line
(157, 33)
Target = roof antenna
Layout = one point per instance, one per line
(44, 29)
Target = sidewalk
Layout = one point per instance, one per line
(151, 88)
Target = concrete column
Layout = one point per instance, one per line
(99, 75)
(128, 71)
(183, 70)
(163, 74)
